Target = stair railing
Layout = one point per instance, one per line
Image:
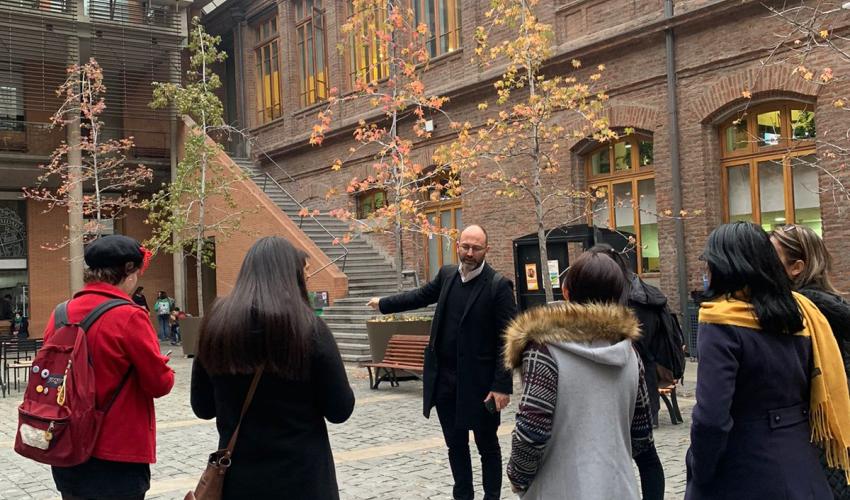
(344, 257)
(255, 146)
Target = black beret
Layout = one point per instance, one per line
(113, 251)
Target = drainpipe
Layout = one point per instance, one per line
(675, 166)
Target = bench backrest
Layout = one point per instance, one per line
(406, 350)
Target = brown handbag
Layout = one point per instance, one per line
(211, 485)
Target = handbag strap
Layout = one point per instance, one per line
(248, 398)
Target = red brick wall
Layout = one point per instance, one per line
(49, 275)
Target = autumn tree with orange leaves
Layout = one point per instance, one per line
(392, 84)
(519, 142)
(108, 183)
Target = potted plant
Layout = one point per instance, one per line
(381, 328)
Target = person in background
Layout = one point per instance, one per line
(140, 299)
(163, 307)
(123, 347)
(176, 316)
(20, 325)
(584, 409)
(282, 450)
(770, 380)
(808, 263)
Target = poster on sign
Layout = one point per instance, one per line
(531, 277)
(554, 273)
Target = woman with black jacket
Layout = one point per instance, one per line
(808, 263)
(282, 450)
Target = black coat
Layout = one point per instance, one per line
(750, 433)
(837, 314)
(480, 342)
(282, 450)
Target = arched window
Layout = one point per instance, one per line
(622, 175)
(768, 166)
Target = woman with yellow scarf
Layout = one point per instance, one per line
(770, 385)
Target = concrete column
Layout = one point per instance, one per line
(178, 260)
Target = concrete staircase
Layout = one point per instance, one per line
(369, 273)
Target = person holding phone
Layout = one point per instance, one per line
(463, 376)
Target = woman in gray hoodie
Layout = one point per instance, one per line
(582, 390)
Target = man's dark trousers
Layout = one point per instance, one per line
(457, 440)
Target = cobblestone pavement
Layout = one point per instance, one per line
(385, 451)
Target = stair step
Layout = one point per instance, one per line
(355, 349)
(355, 359)
(348, 327)
(351, 338)
(346, 318)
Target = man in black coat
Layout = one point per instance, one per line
(463, 371)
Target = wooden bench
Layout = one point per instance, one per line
(405, 353)
(668, 394)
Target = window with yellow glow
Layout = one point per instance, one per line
(312, 50)
(268, 71)
(442, 17)
(367, 62)
(621, 177)
(769, 167)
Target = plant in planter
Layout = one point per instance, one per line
(381, 328)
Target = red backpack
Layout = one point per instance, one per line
(58, 421)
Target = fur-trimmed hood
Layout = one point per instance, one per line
(593, 331)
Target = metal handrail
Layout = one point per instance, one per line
(344, 257)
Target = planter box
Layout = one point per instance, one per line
(189, 330)
(380, 332)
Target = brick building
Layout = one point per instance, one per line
(286, 57)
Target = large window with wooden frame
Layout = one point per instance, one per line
(370, 201)
(622, 178)
(367, 61)
(268, 71)
(769, 166)
(441, 247)
(442, 17)
(312, 50)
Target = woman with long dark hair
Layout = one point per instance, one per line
(770, 380)
(282, 450)
(808, 263)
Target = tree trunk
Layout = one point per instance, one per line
(398, 258)
(199, 274)
(75, 205)
(544, 256)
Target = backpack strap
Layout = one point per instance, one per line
(87, 323)
(98, 311)
(60, 315)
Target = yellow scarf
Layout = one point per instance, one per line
(829, 413)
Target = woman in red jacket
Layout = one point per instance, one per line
(122, 343)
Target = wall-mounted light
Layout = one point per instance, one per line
(429, 125)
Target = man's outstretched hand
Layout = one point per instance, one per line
(373, 302)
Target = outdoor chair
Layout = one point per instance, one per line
(16, 357)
